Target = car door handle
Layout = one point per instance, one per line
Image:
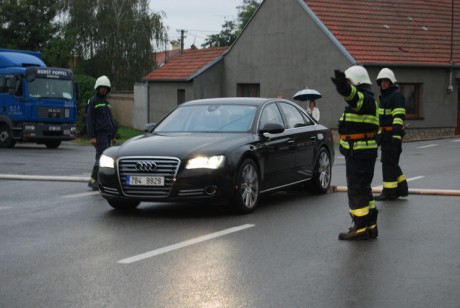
(291, 142)
(313, 138)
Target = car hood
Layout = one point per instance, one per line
(181, 145)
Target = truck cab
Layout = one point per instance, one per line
(37, 103)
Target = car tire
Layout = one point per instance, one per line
(320, 183)
(53, 144)
(124, 205)
(247, 187)
(6, 140)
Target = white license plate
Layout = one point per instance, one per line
(145, 180)
(55, 128)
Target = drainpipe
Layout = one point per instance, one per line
(450, 87)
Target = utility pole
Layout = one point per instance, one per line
(182, 38)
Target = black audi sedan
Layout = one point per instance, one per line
(221, 151)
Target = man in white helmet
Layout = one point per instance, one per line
(99, 124)
(358, 128)
(392, 110)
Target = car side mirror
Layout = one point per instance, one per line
(149, 127)
(272, 128)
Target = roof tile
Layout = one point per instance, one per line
(186, 64)
(393, 31)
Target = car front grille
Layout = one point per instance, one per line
(165, 166)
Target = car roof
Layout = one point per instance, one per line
(230, 101)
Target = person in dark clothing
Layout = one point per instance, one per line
(392, 113)
(99, 124)
(358, 127)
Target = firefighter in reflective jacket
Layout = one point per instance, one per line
(99, 124)
(392, 111)
(358, 127)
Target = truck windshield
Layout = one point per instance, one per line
(51, 88)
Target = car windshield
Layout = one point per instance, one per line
(51, 88)
(209, 118)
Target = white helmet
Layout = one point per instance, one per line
(357, 75)
(386, 73)
(102, 81)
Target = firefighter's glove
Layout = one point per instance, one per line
(341, 83)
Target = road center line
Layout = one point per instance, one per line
(408, 180)
(415, 178)
(427, 146)
(196, 240)
(85, 194)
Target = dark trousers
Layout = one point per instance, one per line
(392, 174)
(103, 142)
(360, 172)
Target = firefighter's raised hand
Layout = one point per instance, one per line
(341, 83)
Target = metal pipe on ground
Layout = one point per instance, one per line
(412, 191)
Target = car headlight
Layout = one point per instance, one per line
(106, 161)
(211, 162)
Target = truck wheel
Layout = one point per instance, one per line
(52, 144)
(6, 140)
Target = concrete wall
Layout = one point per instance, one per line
(122, 107)
(140, 112)
(438, 107)
(284, 51)
(163, 97)
(210, 83)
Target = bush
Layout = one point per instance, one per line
(86, 87)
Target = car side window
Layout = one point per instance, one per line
(293, 116)
(270, 114)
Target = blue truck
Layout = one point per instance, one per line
(37, 103)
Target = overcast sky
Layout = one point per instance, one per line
(199, 18)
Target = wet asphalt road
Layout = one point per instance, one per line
(61, 244)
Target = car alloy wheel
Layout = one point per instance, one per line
(321, 181)
(247, 193)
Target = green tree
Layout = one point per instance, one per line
(245, 13)
(115, 38)
(231, 29)
(30, 24)
(225, 38)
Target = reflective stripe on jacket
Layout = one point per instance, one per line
(392, 110)
(360, 116)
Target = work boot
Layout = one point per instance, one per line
(387, 195)
(92, 184)
(403, 189)
(359, 230)
(93, 179)
(372, 227)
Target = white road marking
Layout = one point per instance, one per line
(427, 146)
(415, 178)
(196, 240)
(85, 194)
(456, 140)
(5, 207)
(409, 179)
